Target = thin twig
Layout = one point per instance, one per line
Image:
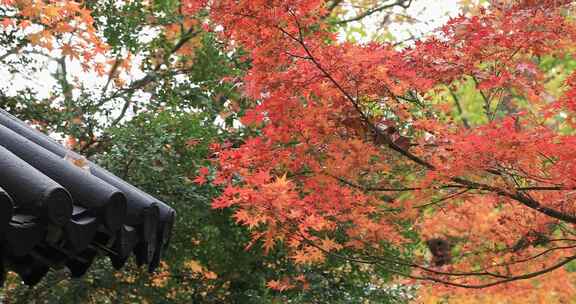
(459, 108)
(353, 101)
(369, 12)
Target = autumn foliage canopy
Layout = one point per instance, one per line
(450, 163)
(364, 152)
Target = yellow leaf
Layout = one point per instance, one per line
(194, 266)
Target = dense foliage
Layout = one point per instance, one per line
(307, 168)
(366, 152)
(146, 96)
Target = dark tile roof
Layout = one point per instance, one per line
(54, 213)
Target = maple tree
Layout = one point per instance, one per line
(147, 111)
(448, 163)
(366, 153)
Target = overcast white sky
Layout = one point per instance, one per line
(431, 14)
(427, 14)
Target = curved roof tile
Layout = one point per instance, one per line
(54, 213)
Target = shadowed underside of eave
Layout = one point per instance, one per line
(55, 214)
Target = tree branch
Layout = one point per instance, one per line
(376, 131)
(480, 286)
(364, 188)
(459, 108)
(520, 197)
(402, 3)
(152, 75)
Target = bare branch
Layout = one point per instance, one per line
(448, 197)
(402, 3)
(525, 276)
(459, 108)
(152, 75)
(487, 101)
